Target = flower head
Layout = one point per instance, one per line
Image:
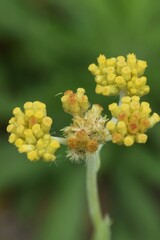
(86, 132)
(29, 132)
(75, 103)
(115, 75)
(133, 120)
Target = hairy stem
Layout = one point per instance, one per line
(92, 191)
(101, 225)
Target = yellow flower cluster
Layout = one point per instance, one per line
(87, 131)
(29, 129)
(115, 75)
(133, 120)
(75, 103)
(29, 132)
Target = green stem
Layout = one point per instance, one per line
(101, 225)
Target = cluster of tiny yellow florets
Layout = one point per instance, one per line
(133, 120)
(87, 130)
(29, 129)
(75, 103)
(115, 75)
(29, 132)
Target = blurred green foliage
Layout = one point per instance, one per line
(45, 49)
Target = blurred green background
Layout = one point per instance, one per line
(45, 48)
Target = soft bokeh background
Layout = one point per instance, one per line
(45, 48)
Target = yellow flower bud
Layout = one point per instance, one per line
(128, 141)
(131, 60)
(102, 61)
(114, 109)
(10, 128)
(37, 131)
(12, 138)
(110, 126)
(48, 157)
(121, 127)
(17, 111)
(110, 78)
(94, 69)
(141, 138)
(111, 62)
(154, 119)
(28, 105)
(126, 73)
(19, 142)
(32, 155)
(29, 113)
(25, 148)
(141, 66)
(120, 82)
(20, 130)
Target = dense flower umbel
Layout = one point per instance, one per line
(29, 132)
(86, 132)
(115, 75)
(130, 121)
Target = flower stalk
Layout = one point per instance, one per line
(101, 225)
